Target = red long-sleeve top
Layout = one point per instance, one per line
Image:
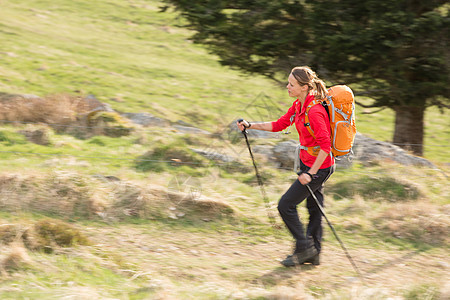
(320, 125)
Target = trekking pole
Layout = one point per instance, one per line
(258, 176)
(335, 234)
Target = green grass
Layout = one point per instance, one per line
(137, 59)
(70, 275)
(148, 65)
(381, 187)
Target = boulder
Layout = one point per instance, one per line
(145, 119)
(266, 151)
(215, 156)
(368, 150)
(233, 129)
(284, 153)
(188, 129)
(93, 104)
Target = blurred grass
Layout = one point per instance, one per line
(137, 59)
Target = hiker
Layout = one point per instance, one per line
(315, 167)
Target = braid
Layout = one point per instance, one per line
(320, 90)
(304, 75)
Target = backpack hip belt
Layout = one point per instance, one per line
(314, 151)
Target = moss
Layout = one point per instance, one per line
(45, 235)
(51, 232)
(380, 187)
(109, 123)
(171, 155)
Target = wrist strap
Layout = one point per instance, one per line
(312, 176)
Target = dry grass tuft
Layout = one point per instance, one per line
(72, 195)
(16, 258)
(9, 233)
(153, 202)
(60, 193)
(204, 207)
(55, 109)
(418, 222)
(129, 199)
(72, 114)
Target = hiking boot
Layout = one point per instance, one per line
(289, 261)
(314, 260)
(307, 255)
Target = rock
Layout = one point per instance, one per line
(264, 150)
(183, 123)
(145, 119)
(369, 150)
(38, 136)
(366, 150)
(215, 156)
(28, 96)
(93, 104)
(267, 152)
(193, 130)
(442, 264)
(106, 178)
(284, 153)
(9, 97)
(233, 130)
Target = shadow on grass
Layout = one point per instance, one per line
(393, 262)
(281, 273)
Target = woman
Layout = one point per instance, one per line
(315, 168)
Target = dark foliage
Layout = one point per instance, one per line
(395, 50)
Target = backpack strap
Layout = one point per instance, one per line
(292, 118)
(307, 124)
(314, 151)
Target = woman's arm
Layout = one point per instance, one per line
(282, 123)
(305, 178)
(266, 126)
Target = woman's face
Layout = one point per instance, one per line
(294, 88)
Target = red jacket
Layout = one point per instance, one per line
(320, 124)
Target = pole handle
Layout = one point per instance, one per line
(245, 123)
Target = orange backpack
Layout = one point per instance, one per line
(340, 106)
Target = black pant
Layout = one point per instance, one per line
(294, 196)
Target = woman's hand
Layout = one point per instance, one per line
(304, 178)
(242, 124)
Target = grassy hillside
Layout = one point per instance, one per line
(132, 56)
(143, 216)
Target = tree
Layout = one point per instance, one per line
(394, 50)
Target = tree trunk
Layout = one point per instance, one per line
(408, 133)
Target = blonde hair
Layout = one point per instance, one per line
(305, 76)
